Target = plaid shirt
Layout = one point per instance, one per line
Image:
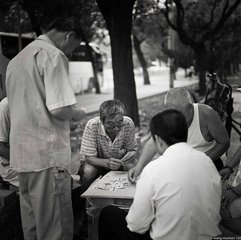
(96, 142)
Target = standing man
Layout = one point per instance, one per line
(206, 131)
(41, 103)
(177, 196)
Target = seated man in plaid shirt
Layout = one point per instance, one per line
(108, 142)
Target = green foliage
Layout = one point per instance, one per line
(200, 25)
(226, 45)
(150, 27)
(9, 17)
(37, 13)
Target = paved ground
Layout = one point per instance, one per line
(159, 83)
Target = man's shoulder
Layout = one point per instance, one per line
(44, 44)
(204, 107)
(205, 111)
(93, 123)
(128, 121)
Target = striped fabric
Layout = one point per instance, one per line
(95, 141)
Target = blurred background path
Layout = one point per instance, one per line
(159, 83)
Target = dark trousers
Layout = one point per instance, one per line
(113, 225)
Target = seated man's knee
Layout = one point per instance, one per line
(89, 175)
(90, 172)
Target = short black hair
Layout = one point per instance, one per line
(64, 24)
(170, 125)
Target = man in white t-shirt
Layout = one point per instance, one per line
(177, 196)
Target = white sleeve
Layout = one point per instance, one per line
(59, 91)
(142, 210)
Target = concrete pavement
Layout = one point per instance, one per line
(159, 84)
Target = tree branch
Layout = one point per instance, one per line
(211, 15)
(225, 15)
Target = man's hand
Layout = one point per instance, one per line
(5, 162)
(114, 163)
(129, 160)
(225, 173)
(129, 157)
(228, 197)
(133, 173)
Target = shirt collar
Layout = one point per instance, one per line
(46, 39)
(101, 129)
(176, 148)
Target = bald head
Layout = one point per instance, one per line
(177, 96)
(179, 99)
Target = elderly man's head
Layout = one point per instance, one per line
(65, 32)
(111, 115)
(180, 99)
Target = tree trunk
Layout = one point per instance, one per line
(94, 67)
(202, 61)
(137, 46)
(118, 16)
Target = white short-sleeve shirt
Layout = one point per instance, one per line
(37, 81)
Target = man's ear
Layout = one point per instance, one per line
(69, 35)
(160, 144)
(158, 140)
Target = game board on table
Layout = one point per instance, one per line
(114, 184)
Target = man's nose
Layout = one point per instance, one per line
(116, 128)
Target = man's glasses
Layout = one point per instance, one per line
(112, 125)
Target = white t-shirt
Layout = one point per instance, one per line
(177, 196)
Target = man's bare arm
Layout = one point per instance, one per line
(147, 154)
(110, 163)
(218, 132)
(69, 112)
